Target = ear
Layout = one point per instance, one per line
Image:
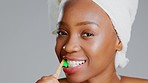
(119, 45)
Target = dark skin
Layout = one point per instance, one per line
(98, 49)
(87, 32)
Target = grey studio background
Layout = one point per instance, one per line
(27, 46)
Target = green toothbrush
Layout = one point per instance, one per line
(63, 63)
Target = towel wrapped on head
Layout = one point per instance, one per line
(121, 12)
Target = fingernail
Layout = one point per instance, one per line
(55, 75)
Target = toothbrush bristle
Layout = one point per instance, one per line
(65, 64)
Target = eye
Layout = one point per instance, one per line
(60, 33)
(87, 34)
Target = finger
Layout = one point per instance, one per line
(52, 80)
(48, 79)
(55, 76)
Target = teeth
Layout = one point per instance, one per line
(74, 63)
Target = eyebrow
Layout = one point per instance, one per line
(62, 23)
(86, 23)
(79, 24)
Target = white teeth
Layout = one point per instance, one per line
(74, 63)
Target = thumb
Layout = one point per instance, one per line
(55, 75)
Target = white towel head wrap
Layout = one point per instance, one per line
(122, 14)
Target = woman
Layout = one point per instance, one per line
(93, 37)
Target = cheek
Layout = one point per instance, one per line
(101, 50)
(58, 47)
(95, 47)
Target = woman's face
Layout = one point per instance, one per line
(90, 40)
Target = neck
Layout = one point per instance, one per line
(107, 76)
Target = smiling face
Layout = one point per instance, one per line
(90, 41)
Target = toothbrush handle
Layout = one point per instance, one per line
(59, 68)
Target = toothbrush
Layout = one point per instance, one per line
(63, 63)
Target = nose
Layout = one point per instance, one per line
(72, 45)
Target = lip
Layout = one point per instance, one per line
(73, 69)
(73, 58)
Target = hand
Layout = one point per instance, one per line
(49, 79)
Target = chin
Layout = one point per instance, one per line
(76, 79)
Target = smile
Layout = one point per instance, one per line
(72, 64)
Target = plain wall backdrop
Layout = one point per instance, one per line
(27, 45)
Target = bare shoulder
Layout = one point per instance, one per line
(125, 79)
(63, 80)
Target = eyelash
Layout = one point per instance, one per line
(86, 34)
(60, 33)
(64, 33)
